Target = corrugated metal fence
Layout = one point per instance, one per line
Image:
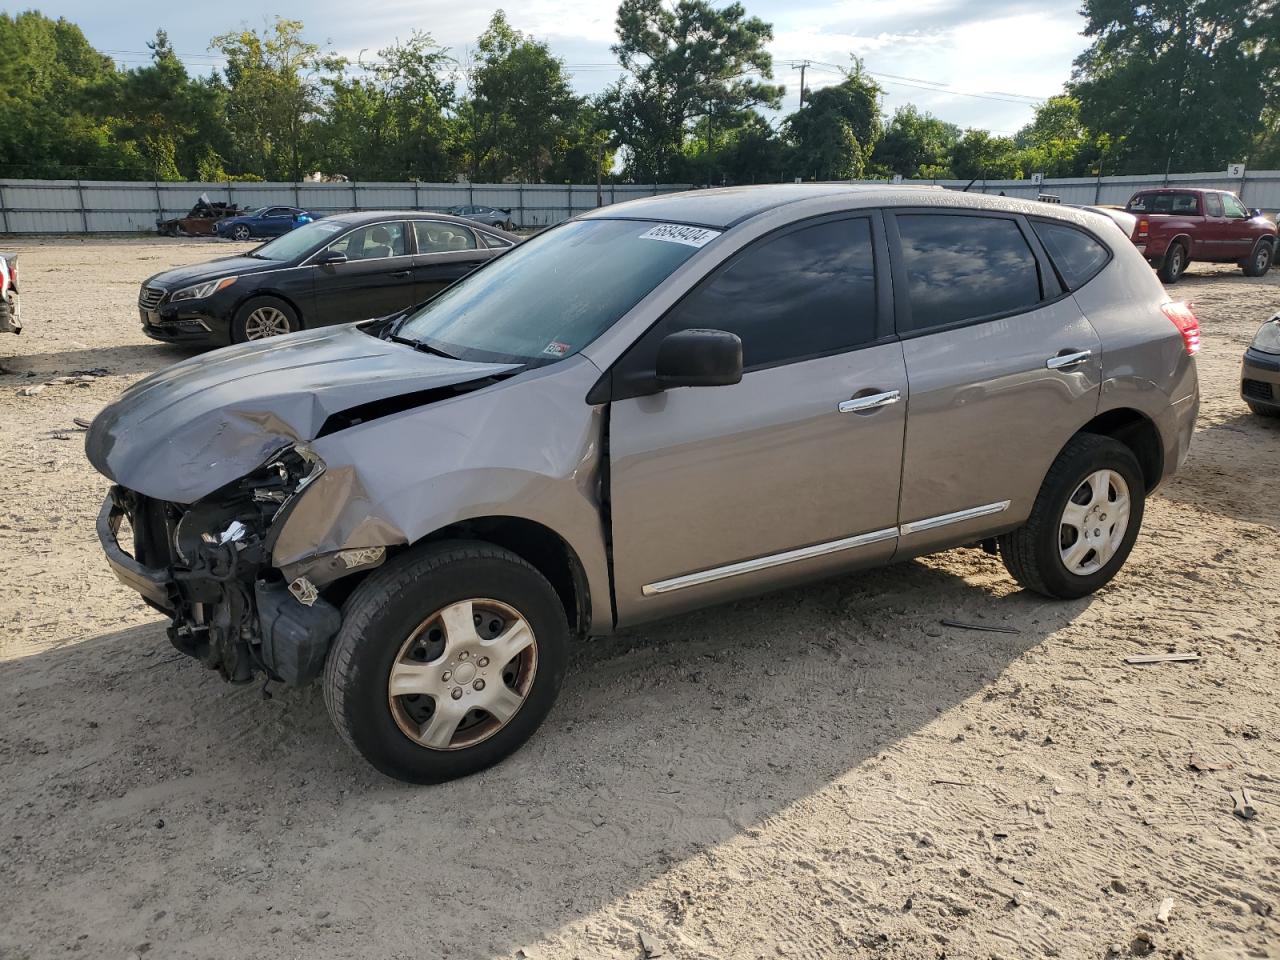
(97, 206)
(104, 206)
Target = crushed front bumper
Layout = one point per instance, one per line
(227, 607)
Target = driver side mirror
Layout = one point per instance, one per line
(331, 257)
(699, 358)
(1255, 212)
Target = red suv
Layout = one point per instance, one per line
(1178, 225)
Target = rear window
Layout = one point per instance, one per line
(1076, 255)
(1164, 203)
(961, 267)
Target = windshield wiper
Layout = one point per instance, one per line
(421, 345)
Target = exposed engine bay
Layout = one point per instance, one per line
(209, 567)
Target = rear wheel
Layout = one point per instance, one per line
(1174, 264)
(447, 661)
(1259, 261)
(1084, 521)
(263, 317)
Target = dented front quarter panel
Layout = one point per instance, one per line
(528, 447)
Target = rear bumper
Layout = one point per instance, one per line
(1176, 426)
(1260, 379)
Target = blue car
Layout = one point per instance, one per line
(263, 222)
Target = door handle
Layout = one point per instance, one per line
(1064, 360)
(859, 404)
(399, 274)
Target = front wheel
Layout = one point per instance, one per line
(263, 317)
(1084, 522)
(241, 232)
(1259, 261)
(1258, 410)
(448, 660)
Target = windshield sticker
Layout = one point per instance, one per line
(556, 349)
(678, 233)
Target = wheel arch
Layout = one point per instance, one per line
(1136, 431)
(275, 295)
(537, 544)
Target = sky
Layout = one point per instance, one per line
(975, 63)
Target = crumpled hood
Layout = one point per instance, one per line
(196, 426)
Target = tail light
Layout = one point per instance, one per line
(1144, 228)
(1181, 316)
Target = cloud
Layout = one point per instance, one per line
(1014, 46)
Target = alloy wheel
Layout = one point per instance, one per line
(241, 233)
(1263, 258)
(462, 674)
(265, 322)
(1094, 522)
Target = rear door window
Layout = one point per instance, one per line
(1076, 255)
(1212, 205)
(435, 236)
(961, 268)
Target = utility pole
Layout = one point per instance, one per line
(803, 65)
(599, 162)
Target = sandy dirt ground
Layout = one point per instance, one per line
(825, 772)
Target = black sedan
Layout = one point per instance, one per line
(342, 268)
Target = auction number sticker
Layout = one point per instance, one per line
(679, 233)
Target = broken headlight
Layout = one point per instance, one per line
(242, 514)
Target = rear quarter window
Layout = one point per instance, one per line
(1076, 255)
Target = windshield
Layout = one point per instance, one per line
(1164, 203)
(299, 241)
(551, 296)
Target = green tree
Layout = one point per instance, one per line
(523, 115)
(836, 131)
(687, 65)
(395, 120)
(1177, 84)
(1056, 141)
(173, 121)
(274, 90)
(979, 154)
(915, 145)
(51, 81)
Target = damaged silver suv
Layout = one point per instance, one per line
(651, 408)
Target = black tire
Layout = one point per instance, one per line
(389, 606)
(1174, 264)
(1259, 261)
(247, 322)
(509, 226)
(241, 232)
(1258, 410)
(1032, 553)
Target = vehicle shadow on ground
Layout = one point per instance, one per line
(1232, 469)
(126, 359)
(668, 742)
